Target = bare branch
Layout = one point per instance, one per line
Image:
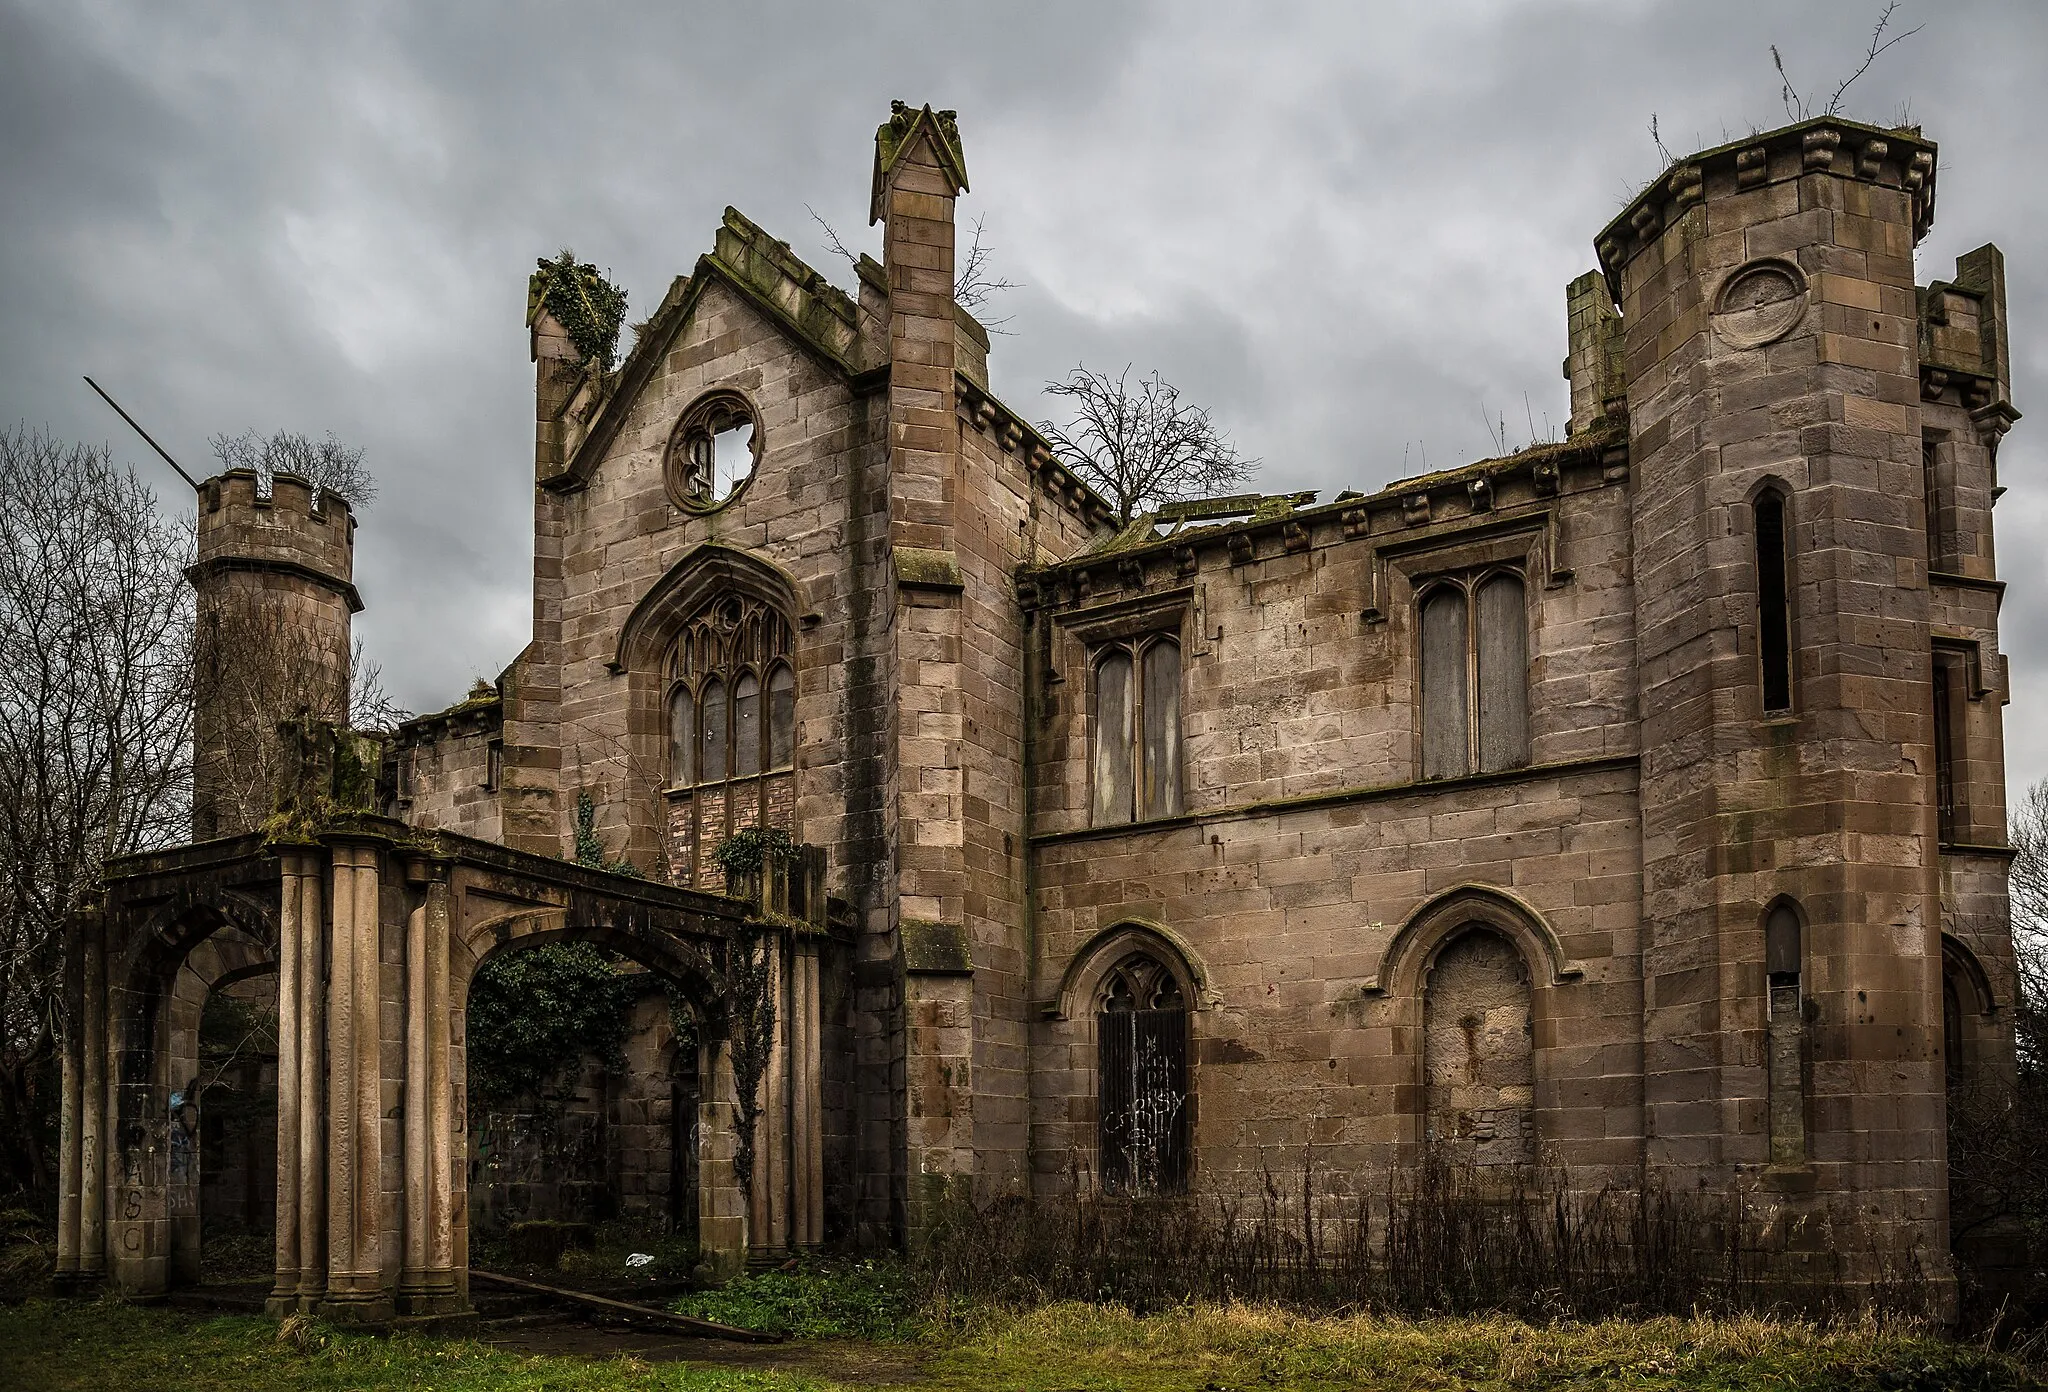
(1795, 105)
(1878, 44)
(974, 284)
(832, 242)
(1139, 445)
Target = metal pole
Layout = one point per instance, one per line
(143, 433)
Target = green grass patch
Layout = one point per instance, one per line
(819, 1300)
(91, 1347)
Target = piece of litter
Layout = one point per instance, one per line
(640, 1259)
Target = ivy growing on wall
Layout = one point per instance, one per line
(590, 846)
(749, 975)
(589, 308)
(533, 1015)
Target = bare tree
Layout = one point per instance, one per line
(329, 465)
(1139, 445)
(95, 731)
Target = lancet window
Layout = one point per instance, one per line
(731, 730)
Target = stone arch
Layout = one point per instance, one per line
(704, 573)
(707, 569)
(1143, 1083)
(703, 988)
(157, 992)
(1437, 917)
(1110, 946)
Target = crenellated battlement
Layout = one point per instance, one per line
(291, 530)
(1893, 159)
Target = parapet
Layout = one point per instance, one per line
(288, 532)
(1964, 345)
(1895, 159)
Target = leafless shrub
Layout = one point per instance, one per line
(1139, 445)
(329, 465)
(1442, 1237)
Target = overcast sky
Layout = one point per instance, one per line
(1346, 228)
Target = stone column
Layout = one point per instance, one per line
(806, 1105)
(446, 1270)
(355, 1278)
(71, 1134)
(310, 1198)
(284, 1291)
(721, 1215)
(92, 1119)
(428, 1283)
(418, 1208)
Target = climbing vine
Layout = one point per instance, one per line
(751, 1013)
(748, 850)
(589, 308)
(590, 846)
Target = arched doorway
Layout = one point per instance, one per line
(1141, 1069)
(592, 1136)
(175, 1072)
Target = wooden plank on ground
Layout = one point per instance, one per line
(708, 1329)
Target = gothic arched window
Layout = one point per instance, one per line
(1475, 675)
(1136, 769)
(731, 751)
(1141, 1059)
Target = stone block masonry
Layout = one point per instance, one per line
(1631, 806)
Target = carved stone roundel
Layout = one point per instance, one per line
(1761, 303)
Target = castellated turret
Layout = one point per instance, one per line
(275, 601)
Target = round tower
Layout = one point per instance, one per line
(275, 602)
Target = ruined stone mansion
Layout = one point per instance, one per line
(1628, 805)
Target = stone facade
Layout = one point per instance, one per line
(1631, 804)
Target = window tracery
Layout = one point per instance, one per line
(731, 688)
(1136, 755)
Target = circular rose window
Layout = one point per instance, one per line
(713, 451)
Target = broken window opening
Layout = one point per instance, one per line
(713, 451)
(1785, 1041)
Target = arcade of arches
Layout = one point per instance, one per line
(363, 943)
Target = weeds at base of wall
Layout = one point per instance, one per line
(1445, 1237)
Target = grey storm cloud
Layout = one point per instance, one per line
(1346, 228)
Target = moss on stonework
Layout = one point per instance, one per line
(328, 779)
(918, 565)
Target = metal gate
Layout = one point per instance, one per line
(1142, 1095)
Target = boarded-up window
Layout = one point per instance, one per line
(713, 765)
(1112, 773)
(746, 726)
(1503, 674)
(1479, 1059)
(1141, 1029)
(1446, 696)
(781, 718)
(1161, 712)
(1773, 599)
(682, 738)
(1785, 1046)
